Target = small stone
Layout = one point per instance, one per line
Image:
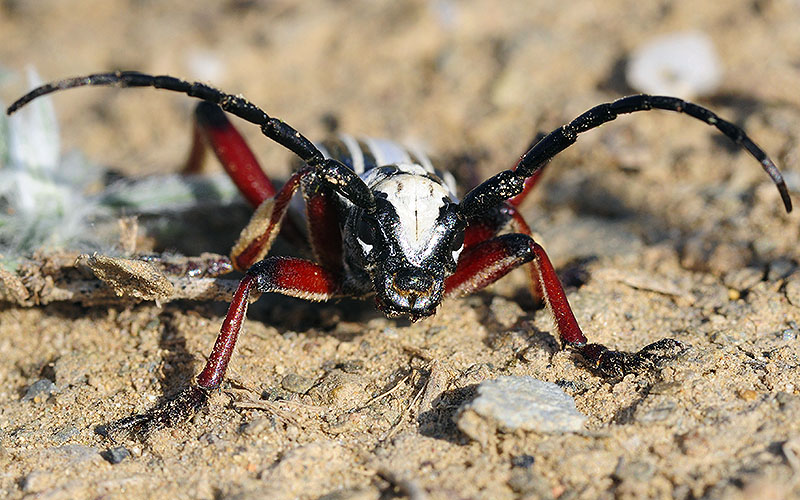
(70, 455)
(351, 366)
(524, 403)
(40, 390)
(727, 257)
(297, 384)
(257, 426)
(780, 269)
(522, 461)
(351, 494)
(116, 455)
(656, 412)
(683, 64)
(747, 394)
(66, 433)
(743, 278)
(505, 312)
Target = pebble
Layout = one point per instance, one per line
(679, 64)
(295, 383)
(780, 269)
(657, 412)
(40, 390)
(350, 494)
(523, 461)
(257, 426)
(341, 389)
(505, 312)
(69, 455)
(529, 483)
(66, 433)
(523, 403)
(116, 455)
(637, 470)
(743, 278)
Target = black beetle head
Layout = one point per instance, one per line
(409, 245)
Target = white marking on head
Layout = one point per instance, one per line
(364, 246)
(457, 253)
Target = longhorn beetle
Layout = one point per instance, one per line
(383, 221)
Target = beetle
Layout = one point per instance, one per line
(383, 221)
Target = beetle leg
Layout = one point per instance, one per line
(324, 232)
(322, 217)
(256, 238)
(213, 128)
(494, 221)
(285, 275)
(485, 263)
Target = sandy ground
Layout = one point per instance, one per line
(658, 227)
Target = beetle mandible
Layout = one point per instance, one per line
(383, 221)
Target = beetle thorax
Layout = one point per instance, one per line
(417, 198)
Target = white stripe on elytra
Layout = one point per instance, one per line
(386, 152)
(355, 152)
(421, 157)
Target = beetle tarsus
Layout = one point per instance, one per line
(615, 364)
(169, 413)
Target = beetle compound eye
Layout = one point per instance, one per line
(458, 241)
(457, 245)
(366, 232)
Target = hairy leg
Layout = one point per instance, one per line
(285, 275)
(486, 262)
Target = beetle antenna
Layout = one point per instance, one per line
(349, 185)
(509, 183)
(563, 137)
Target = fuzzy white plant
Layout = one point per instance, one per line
(49, 200)
(43, 195)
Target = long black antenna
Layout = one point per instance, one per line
(510, 183)
(340, 177)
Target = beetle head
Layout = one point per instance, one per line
(410, 244)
